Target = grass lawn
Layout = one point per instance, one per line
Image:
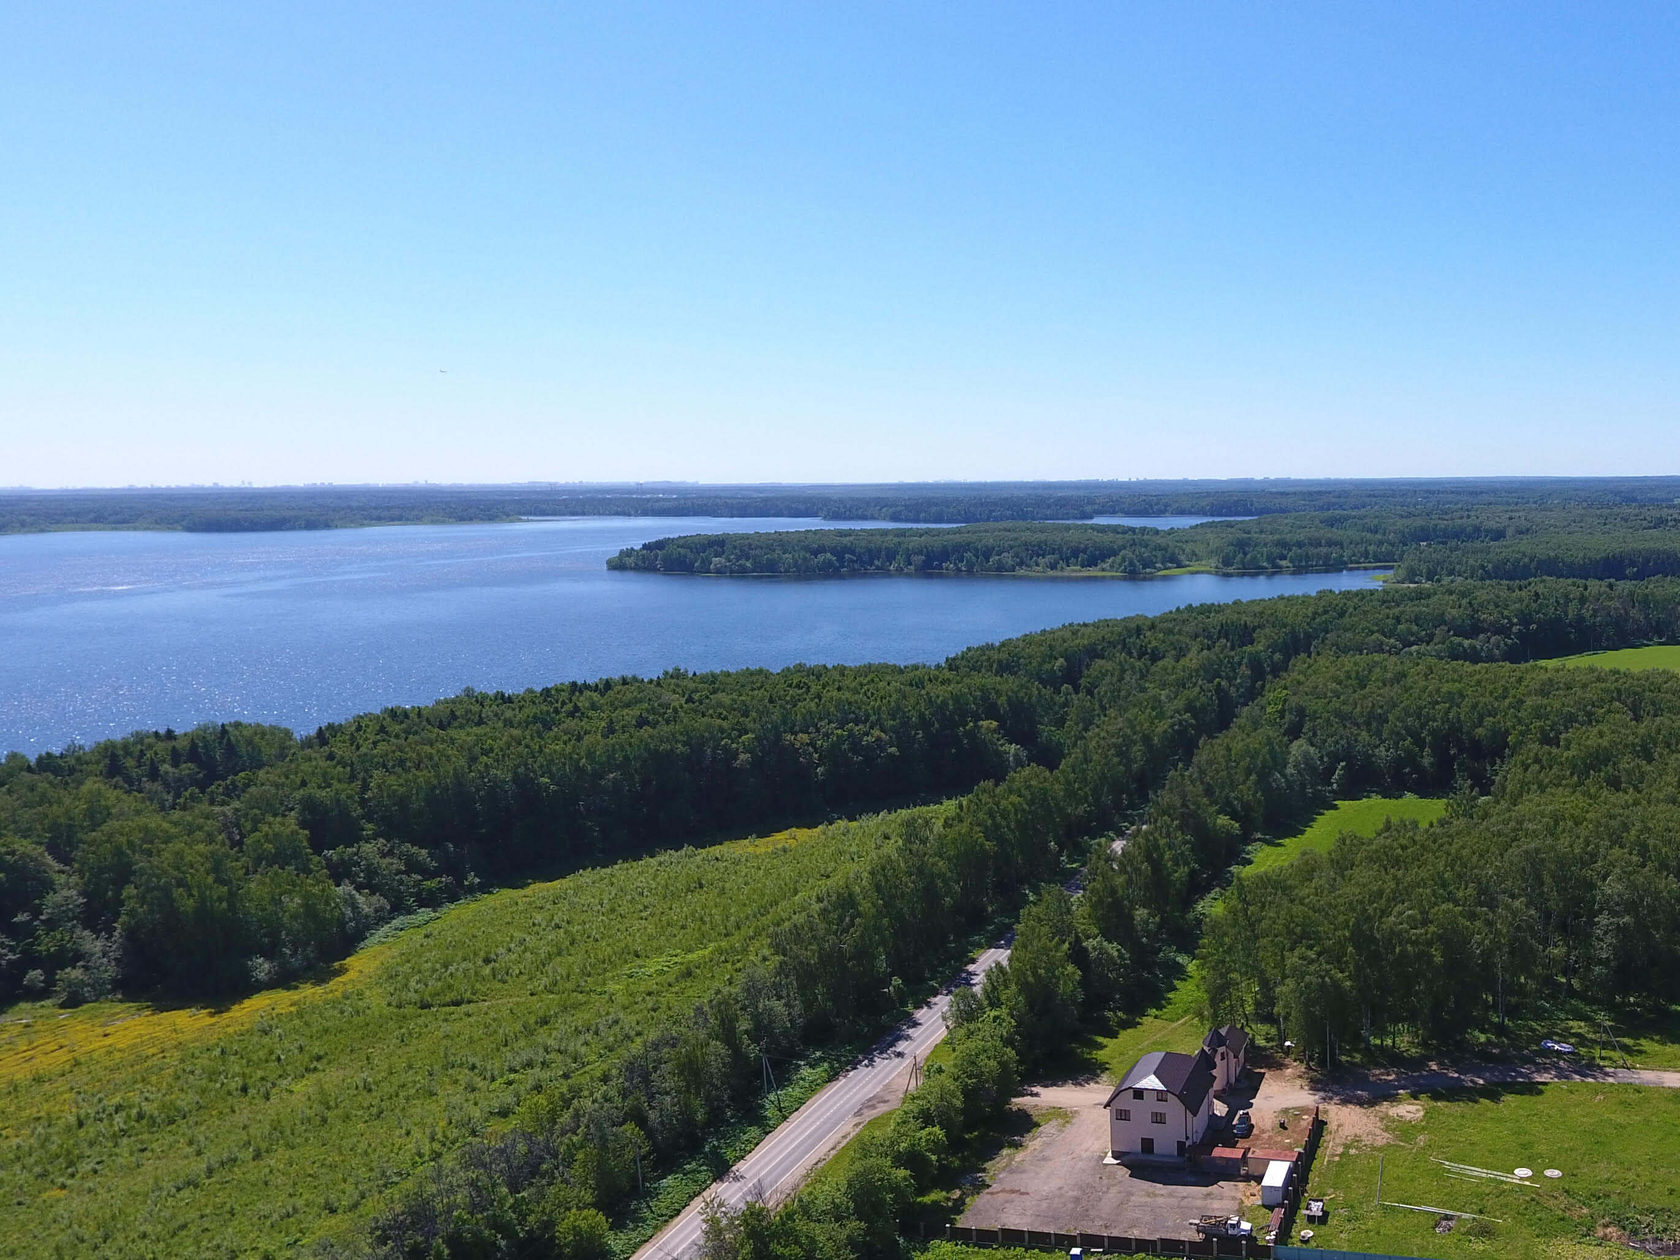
(1660, 656)
(1615, 1145)
(253, 1130)
(1177, 1022)
(1647, 1038)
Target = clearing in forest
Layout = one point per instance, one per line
(1362, 817)
(1659, 656)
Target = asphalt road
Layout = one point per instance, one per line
(775, 1163)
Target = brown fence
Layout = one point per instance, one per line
(1283, 1217)
(1046, 1240)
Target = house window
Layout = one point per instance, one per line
(1137, 1094)
(1160, 1095)
(1157, 1117)
(1123, 1113)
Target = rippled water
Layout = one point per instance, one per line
(103, 633)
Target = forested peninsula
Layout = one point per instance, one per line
(1482, 542)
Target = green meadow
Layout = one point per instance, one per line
(1614, 1144)
(1659, 656)
(1363, 817)
(130, 1131)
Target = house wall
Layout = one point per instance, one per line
(1228, 1067)
(1125, 1137)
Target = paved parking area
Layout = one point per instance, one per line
(1057, 1180)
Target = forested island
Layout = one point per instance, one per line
(213, 862)
(221, 509)
(1479, 542)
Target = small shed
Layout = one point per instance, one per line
(1275, 1182)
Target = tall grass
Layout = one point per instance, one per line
(127, 1131)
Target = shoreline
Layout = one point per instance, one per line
(1374, 567)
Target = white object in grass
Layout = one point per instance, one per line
(1552, 1172)
(1525, 1172)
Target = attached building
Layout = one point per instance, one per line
(1162, 1106)
(1228, 1048)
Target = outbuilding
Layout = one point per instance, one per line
(1275, 1184)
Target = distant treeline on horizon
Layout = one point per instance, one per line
(221, 509)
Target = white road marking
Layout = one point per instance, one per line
(799, 1138)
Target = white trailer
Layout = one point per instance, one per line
(1276, 1182)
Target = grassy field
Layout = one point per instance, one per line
(1363, 817)
(1661, 656)
(1614, 1144)
(252, 1130)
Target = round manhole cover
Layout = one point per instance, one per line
(1552, 1172)
(1525, 1172)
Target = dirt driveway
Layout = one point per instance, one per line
(1057, 1179)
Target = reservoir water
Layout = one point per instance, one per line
(102, 633)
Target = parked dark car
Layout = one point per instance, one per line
(1243, 1125)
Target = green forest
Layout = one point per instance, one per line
(1554, 871)
(1481, 542)
(233, 856)
(224, 860)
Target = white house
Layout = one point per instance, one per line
(1228, 1048)
(1162, 1106)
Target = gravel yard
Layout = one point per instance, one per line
(1057, 1179)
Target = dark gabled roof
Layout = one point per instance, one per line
(1229, 1036)
(1187, 1077)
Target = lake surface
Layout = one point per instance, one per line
(104, 633)
(1160, 522)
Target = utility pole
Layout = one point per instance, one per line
(770, 1086)
(915, 1076)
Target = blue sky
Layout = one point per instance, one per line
(842, 242)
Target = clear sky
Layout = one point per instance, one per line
(836, 242)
